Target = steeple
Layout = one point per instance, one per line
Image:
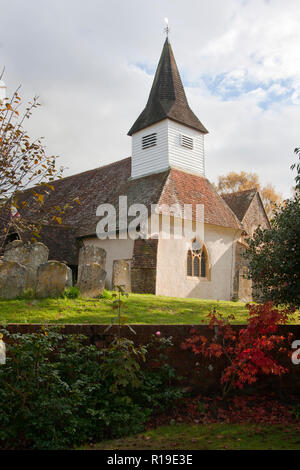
(167, 97)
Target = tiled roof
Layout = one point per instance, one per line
(145, 190)
(105, 185)
(240, 201)
(61, 241)
(167, 97)
(185, 188)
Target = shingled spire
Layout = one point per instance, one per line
(167, 98)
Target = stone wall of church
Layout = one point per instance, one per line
(243, 289)
(172, 279)
(159, 266)
(255, 216)
(242, 286)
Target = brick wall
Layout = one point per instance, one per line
(143, 267)
(198, 375)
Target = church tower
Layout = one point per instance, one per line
(167, 134)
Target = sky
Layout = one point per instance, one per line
(91, 62)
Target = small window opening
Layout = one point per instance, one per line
(187, 141)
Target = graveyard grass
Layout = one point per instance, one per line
(216, 436)
(137, 308)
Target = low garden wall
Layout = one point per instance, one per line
(199, 375)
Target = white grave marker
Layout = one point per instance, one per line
(2, 350)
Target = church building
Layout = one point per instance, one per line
(166, 167)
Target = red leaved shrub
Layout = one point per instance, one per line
(250, 352)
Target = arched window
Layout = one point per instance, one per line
(197, 261)
(189, 263)
(203, 263)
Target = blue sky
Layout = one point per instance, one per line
(92, 64)
(275, 91)
(226, 88)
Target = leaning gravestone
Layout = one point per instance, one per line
(121, 274)
(91, 280)
(31, 255)
(89, 254)
(13, 278)
(53, 278)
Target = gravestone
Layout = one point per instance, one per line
(13, 278)
(91, 280)
(53, 278)
(69, 278)
(89, 254)
(121, 274)
(30, 255)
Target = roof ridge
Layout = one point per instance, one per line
(30, 188)
(240, 201)
(91, 170)
(224, 202)
(239, 192)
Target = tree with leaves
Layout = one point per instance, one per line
(233, 182)
(297, 167)
(26, 173)
(274, 254)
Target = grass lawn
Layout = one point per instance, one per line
(209, 437)
(138, 309)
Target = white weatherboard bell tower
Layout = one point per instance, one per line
(167, 134)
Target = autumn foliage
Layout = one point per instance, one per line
(27, 175)
(242, 181)
(250, 352)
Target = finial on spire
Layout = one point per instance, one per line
(167, 29)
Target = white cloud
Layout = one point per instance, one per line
(79, 57)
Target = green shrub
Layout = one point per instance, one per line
(56, 391)
(159, 389)
(120, 364)
(72, 293)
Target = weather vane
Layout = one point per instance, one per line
(167, 29)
